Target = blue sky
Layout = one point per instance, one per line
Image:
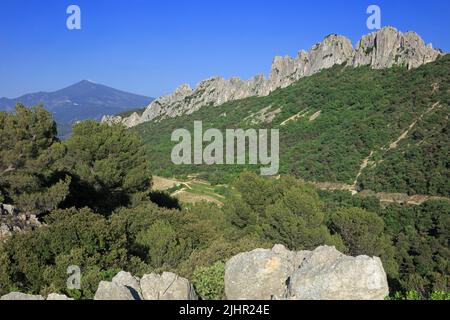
(151, 47)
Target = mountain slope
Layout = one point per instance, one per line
(83, 100)
(383, 49)
(386, 129)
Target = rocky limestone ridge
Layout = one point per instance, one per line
(261, 274)
(382, 49)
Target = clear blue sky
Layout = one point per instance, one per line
(150, 47)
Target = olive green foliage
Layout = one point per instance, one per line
(362, 110)
(414, 295)
(38, 260)
(419, 236)
(5, 281)
(146, 238)
(100, 166)
(107, 164)
(363, 233)
(25, 177)
(93, 191)
(209, 282)
(282, 211)
(163, 246)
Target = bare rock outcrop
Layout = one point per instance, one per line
(13, 221)
(334, 50)
(260, 274)
(167, 286)
(131, 282)
(389, 47)
(21, 296)
(213, 91)
(327, 274)
(113, 291)
(322, 274)
(385, 48)
(58, 297)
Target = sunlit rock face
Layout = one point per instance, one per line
(385, 48)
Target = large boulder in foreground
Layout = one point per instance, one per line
(131, 282)
(21, 296)
(113, 291)
(327, 274)
(260, 274)
(56, 296)
(167, 286)
(322, 274)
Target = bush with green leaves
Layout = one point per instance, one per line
(107, 166)
(26, 179)
(414, 295)
(93, 194)
(37, 261)
(284, 211)
(209, 282)
(420, 235)
(363, 233)
(362, 110)
(164, 247)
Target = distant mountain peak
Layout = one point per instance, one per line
(87, 82)
(79, 101)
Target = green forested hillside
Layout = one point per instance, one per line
(331, 122)
(93, 195)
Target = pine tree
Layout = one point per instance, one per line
(25, 177)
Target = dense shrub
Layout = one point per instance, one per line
(284, 211)
(363, 233)
(209, 281)
(26, 137)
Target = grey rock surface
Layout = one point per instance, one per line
(11, 221)
(389, 47)
(260, 274)
(167, 286)
(56, 296)
(132, 283)
(385, 48)
(322, 274)
(21, 296)
(327, 274)
(7, 209)
(113, 291)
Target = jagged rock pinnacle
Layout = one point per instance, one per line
(385, 48)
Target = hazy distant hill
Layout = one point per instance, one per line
(83, 100)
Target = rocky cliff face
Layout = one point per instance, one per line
(382, 49)
(388, 47)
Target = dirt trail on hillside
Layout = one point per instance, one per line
(403, 136)
(384, 197)
(394, 144)
(297, 116)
